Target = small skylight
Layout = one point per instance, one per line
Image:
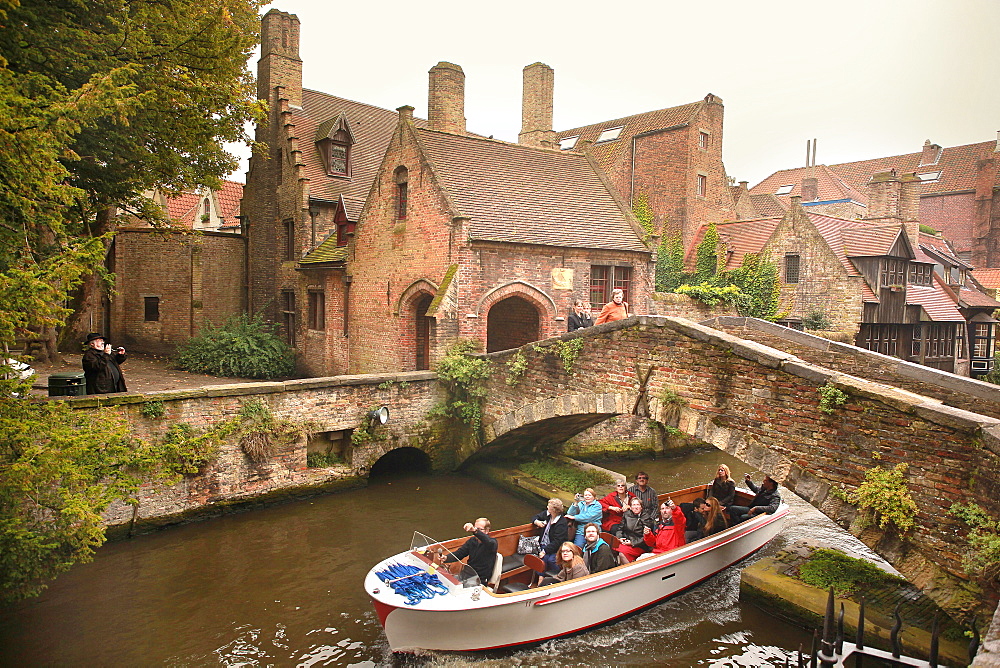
(610, 134)
(929, 177)
(566, 143)
(784, 190)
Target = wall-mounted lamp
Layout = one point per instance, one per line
(379, 416)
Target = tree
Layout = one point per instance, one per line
(103, 101)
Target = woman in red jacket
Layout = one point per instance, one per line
(668, 532)
(614, 504)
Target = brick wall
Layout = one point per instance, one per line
(762, 406)
(321, 405)
(198, 279)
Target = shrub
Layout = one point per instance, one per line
(321, 460)
(816, 320)
(830, 397)
(153, 409)
(565, 476)
(244, 347)
(884, 494)
(982, 558)
(464, 377)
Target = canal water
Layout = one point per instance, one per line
(281, 586)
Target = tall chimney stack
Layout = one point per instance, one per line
(536, 107)
(446, 98)
(930, 153)
(279, 63)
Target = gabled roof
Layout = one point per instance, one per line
(830, 186)
(326, 252)
(768, 205)
(970, 298)
(834, 230)
(228, 200)
(935, 302)
(957, 165)
(870, 240)
(182, 209)
(371, 128)
(740, 237)
(606, 154)
(988, 278)
(520, 194)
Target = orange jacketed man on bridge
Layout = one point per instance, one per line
(616, 309)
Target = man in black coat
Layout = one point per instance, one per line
(766, 500)
(579, 317)
(481, 550)
(100, 366)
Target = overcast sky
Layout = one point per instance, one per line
(867, 78)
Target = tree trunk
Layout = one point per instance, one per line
(87, 315)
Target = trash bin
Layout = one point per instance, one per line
(67, 384)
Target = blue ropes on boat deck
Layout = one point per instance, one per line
(414, 583)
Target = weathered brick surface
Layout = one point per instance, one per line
(319, 404)
(762, 405)
(198, 279)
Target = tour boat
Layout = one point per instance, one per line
(459, 614)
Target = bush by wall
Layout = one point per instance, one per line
(244, 346)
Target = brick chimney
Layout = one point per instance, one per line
(883, 197)
(405, 112)
(930, 153)
(909, 206)
(279, 63)
(810, 189)
(446, 98)
(536, 107)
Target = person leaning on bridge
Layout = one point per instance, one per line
(766, 500)
(616, 309)
(100, 366)
(579, 317)
(481, 549)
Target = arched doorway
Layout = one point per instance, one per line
(511, 323)
(423, 332)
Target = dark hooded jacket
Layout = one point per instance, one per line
(102, 371)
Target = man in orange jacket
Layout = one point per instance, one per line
(616, 309)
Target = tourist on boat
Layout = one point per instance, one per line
(723, 487)
(614, 504)
(555, 531)
(766, 500)
(631, 532)
(616, 309)
(694, 516)
(570, 565)
(586, 509)
(669, 530)
(579, 317)
(641, 489)
(715, 519)
(481, 549)
(597, 554)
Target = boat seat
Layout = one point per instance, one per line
(497, 571)
(512, 562)
(513, 587)
(536, 564)
(614, 543)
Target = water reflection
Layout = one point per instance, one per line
(282, 586)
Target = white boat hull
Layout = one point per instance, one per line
(459, 622)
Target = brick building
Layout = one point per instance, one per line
(377, 238)
(959, 193)
(896, 290)
(672, 156)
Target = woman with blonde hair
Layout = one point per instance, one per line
(722, 488)
(570, 564)
(555, 531)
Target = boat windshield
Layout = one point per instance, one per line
(433, 551)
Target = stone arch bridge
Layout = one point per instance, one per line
(751, 388)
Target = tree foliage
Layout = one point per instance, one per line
(60, 469)
(644, 213)
(102, 101)
(758, 281)
(707, 256)
(670, 264)
(244, 346)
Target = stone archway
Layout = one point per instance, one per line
(406, 459)
(511, 323)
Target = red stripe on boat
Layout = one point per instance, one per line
(382, 610)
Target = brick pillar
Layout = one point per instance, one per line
(279, 63)
(883, 197)
(536, 107)
(909, 207)
(446, 98)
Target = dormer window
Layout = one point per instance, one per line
(929, 177)
(334, 141)
(784, 190)
(610, 134)
(921, 274)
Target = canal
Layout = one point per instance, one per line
(282, 586)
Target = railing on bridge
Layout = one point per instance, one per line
(833, 651)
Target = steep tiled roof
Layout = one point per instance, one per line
(935, 302)
(520, 194)
(869, 240)
(328, 251)
(988, 278)
(970, 297)
(228, 199)
(833, 230)
(957, 165)
(740, 237)
(829, 185)
(372, 129)
(607, 153)
(768, 205)
(182, 209)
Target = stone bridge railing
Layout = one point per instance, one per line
(763, 406)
